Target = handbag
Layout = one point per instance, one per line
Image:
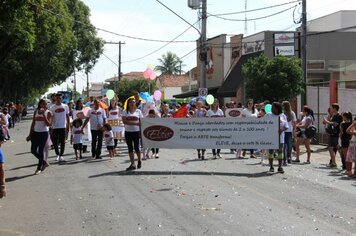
(310, 132)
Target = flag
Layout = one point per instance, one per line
(209, 61)
(182, 112)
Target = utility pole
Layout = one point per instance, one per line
(75, 86)
(119, 62)
(87, 84)
(203, 51)
(304, 51)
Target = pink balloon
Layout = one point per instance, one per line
(153, 76)
(157, 95)
(145, 75)
(149, 71)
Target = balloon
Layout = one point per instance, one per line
(157, 95)
(149, 99)
(110, 94)
(268, 108)
(153, 76)
(144, 95)
(86, 110)
(65, 100)
(149, 71)
(150, 66)
(145, 75)
(209, 99)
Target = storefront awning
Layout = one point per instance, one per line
(194, 93)
(234, 79)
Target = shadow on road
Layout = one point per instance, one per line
(11, 179)
(22, 153)
(22, 167)
(127, 173)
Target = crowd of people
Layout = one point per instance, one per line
(98, 121)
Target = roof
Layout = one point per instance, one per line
(173, 80)
(195, 93)
(128, 76)
(234, 79)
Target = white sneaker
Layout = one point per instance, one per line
(219, 155)
(61, 159)
(58, 157)
(214, 156)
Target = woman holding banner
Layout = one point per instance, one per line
(249, 111)
(131, 118)
(114, 113)
(199, 113)
(215, 111)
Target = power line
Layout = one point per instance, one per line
(110, 59)
(169, 9)
(257, 18)
(257, 9)
(149, 54)
(108, 31)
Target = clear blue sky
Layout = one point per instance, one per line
(149, 19)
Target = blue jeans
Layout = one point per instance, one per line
(38, 142)
(288, 145)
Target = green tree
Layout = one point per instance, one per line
(127, 88)
(170, 64)
(279, 78)
(41, 42)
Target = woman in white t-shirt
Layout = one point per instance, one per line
(39, 134)
(249, 111)
(215, 111)
(289, 133)
(114, 113)
(131, 118)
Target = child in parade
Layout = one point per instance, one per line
(277, 112)
(109, 139)
(351, 152)
(77, 133)
(199, 113)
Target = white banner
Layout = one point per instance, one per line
(199, 133)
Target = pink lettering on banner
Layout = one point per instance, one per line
(132, 118)
(39, 118)
(59, 110)
(158, 133)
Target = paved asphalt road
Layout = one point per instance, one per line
(173, 195)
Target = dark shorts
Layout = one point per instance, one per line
(77, 146)
(333, 141)
(110, 148)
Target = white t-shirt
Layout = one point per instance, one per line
(77, 135)
(109, 138)
(40, 124)
(290, 123)
(96, 118)
(133, 117)
(218, 113)
(59, 113)
(304, 121)
(114, 114)
(7, 117)
(247, 113)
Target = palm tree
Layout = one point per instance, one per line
(170, 64)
